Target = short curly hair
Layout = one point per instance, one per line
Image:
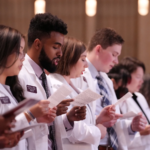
(42, 25)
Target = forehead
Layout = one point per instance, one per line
(83, 54)
(139, 70)
(115, 48)
(55, 38)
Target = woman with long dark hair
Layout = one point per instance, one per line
(12, 44)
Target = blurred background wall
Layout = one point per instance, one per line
(121, 15)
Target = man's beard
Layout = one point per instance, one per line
(46, 63)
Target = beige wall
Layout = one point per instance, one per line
(121, 15)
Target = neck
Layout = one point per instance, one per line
(93, 60)
(67, 78)
(3, 78)
(34, 56)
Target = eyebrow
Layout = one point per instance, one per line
(56, 43)
(83, 55)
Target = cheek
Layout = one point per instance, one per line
(11, 59)
(107, 59)
(15, 67)
(134, 83)
(79, 66)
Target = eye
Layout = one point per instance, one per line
(114, 54)
(55, 47)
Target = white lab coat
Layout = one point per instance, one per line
(21, 120)
(85, 134)
(139, 142)
(121, 126)
(27, 77)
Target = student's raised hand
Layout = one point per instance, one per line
(48, 118)
(9, 140)
(108, 116)
(139, 123)
(77, 113)
(146, 131)
(62, 106)
(40, 109)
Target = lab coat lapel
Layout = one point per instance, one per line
(32, 73)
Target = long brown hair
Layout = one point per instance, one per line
(72, 50)
(10, 43)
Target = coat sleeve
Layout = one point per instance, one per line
(84, 131)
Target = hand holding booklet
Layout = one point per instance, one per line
(85, 97)
(21, 107)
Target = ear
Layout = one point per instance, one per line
(37, 44)
(98, 48)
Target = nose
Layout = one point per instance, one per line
(116, 61)
(86, 65)
(142, 81)
(23, 59)
(60, 52)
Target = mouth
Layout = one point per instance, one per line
(20, 67)
(139, 86)
(111, 66)
(82, 71)
(56, 60)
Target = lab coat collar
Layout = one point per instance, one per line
(92, 69)
(37, 69)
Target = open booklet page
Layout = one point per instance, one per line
(129, 114)
(85, 97)
(61, 94)
(123, 98)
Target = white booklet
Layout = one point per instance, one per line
(129, 114)
(21, 107)
(85, 97)
(123, 98)
(59, 95)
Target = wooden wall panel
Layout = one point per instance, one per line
(72, 12)
(120, 15)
